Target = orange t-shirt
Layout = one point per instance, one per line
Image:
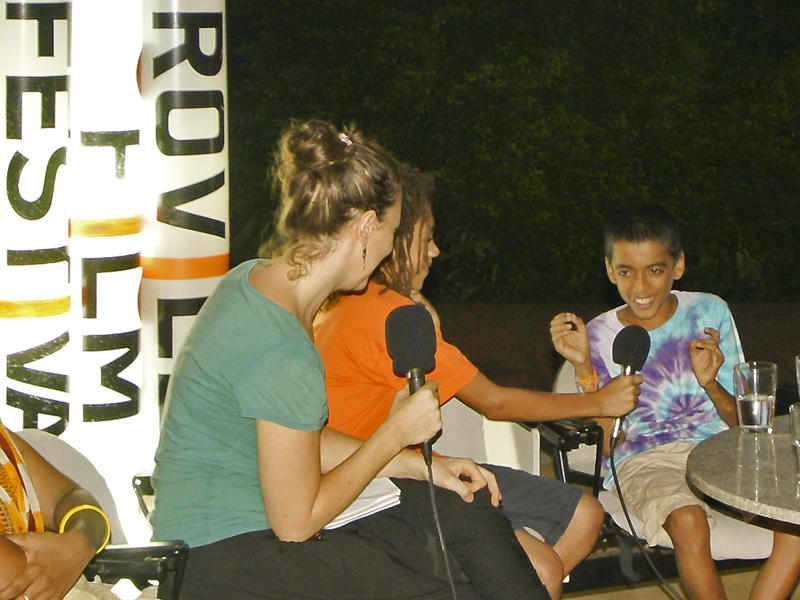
(359, 380)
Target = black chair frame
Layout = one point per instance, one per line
(159, 563)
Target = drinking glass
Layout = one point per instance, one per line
(755, 383)
(794, 422)
(797, 371)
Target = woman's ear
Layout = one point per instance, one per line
(365, 224)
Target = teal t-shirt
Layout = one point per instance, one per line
(245, 358)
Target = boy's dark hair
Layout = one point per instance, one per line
(642, 222)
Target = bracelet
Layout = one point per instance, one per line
(81, 507)
(590, 381)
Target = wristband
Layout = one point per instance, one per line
(590, 381)
(80, 508)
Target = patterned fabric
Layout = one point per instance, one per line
(672, 406)
(19, 506)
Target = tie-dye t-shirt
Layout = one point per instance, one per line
(672, 406)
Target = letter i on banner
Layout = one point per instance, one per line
(113, 425)
(34, 273)
(185, 253)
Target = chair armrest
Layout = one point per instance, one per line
(565, 435)
(568, 434)
(161, 562)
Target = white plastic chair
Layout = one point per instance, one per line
(467, 433)
(731, 537)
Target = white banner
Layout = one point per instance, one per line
(184, 87)
(115, 225)
(34, 276)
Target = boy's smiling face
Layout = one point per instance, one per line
(643, 273)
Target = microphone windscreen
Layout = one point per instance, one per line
(631, 347)
(411, 339)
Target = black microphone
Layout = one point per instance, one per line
(629, 350)
(411, 340)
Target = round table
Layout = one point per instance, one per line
(752, 472)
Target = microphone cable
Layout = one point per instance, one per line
(443, 546)
(665, 585)
(411, 342)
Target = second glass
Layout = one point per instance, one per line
(794, 431)
(754, 384)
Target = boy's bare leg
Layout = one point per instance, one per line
(577, 541)
(581, 534)
(546, 562)
(778, 576)
(688, 528)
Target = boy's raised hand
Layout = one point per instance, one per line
(571, 340)
(706, 357)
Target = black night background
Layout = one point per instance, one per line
(537, 117)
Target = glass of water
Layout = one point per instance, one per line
(794, 422)
(797, 371)
(755, 383)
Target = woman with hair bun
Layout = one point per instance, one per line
(246, 471)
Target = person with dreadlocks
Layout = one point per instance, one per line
(360, 383)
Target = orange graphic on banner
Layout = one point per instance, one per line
(185, 268)
(24, 309)
(105, 227)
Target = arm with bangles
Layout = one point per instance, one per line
(53, 563)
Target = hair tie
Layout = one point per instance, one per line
(345, 139)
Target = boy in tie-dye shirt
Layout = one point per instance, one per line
(685, 396)
(673, 406)
(686, 393)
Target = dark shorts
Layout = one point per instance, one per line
(540, 503)
(394, 554)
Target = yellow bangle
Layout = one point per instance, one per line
(81, 507)
(591, 380)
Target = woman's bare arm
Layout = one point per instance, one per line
(308, 477)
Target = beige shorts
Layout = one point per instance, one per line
(653, 485)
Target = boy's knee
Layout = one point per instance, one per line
(550, 572)
(687, 523)
(545, 560)
(590, 509)
(587, 518)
